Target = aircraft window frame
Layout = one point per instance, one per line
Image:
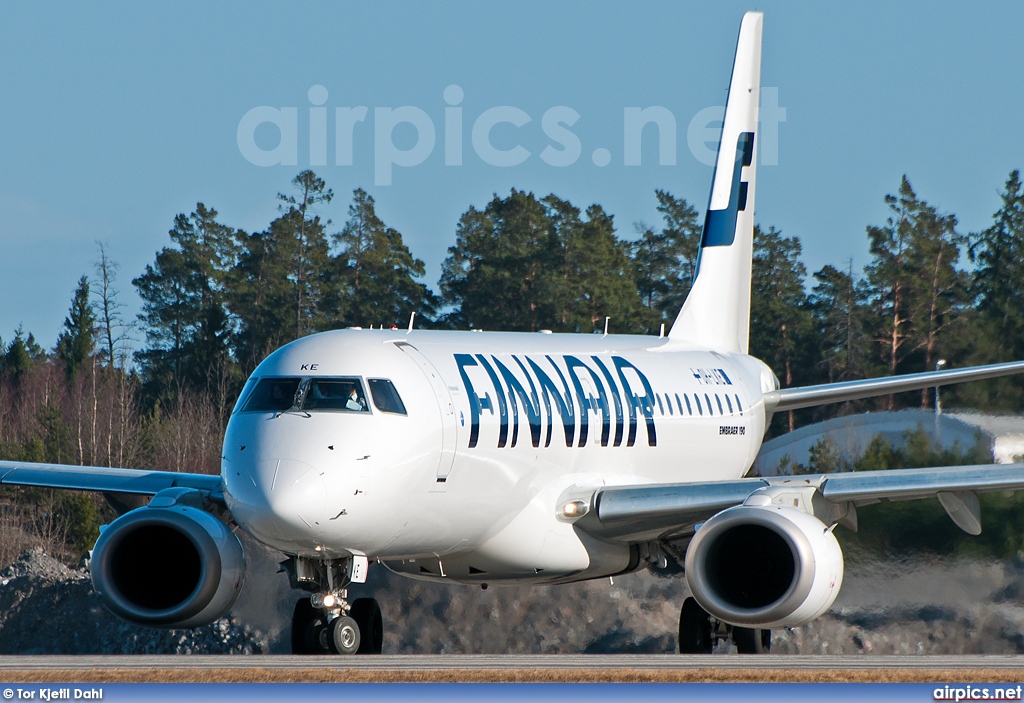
(277, 409)
(243, 395)
(388, 384)
(312, 385)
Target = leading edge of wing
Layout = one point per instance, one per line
(808, 396)
(645, 512)
(107, 480)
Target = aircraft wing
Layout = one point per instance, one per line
(106, 480)
(807, 396)
(646, 512)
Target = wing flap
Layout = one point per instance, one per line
(107, 480)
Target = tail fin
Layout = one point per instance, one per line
(717, 310)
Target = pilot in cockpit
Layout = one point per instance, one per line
(354, 402)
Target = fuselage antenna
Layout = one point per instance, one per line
(412, 318)
(606, 326)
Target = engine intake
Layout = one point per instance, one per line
(764, 566)
(174, 567)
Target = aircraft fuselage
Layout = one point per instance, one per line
(462, 478)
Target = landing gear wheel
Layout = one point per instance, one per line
(343, 634)
(752, 641)
(309, 634)
(306, 623)
(366, 613)
(694, 629)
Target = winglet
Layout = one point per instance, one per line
(716, 313)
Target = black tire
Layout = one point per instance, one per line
(309, 635)
(302, 617)
(366, 613)
(752, 641)
(694, 629)
(343, 634)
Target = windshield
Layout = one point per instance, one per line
(345, 394)
(272, 395)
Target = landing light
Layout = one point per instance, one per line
(323, 600)
(574, 509)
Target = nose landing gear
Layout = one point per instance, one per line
(699, 633)
(325, 622)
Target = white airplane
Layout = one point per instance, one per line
(512, 458)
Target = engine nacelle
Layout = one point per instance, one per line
(764, 566)
(172, 566)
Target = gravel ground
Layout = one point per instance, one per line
(917, 606)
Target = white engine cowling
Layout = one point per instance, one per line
(174, 567)
(764, 566)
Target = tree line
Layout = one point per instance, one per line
(216, 300)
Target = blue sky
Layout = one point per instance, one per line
(115, 117)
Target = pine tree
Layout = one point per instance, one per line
(779, 317)
(183, 296)
(839, 303)
(591, 277)
(665, 262)
(19, 355)
(373, 275)
(913, 282)
(302, 241)
(495, 275)
(998, 289)
(77, 341)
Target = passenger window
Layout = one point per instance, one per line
(696, 399)
(739, 405)
(679, 404)
(661, 408)
(711, 410)
(668, 402)
(718, 399)
(689, 410)
(345, 394)
(728, 402)
(272, 395)
(386, 397)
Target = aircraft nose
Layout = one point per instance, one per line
(284, 501)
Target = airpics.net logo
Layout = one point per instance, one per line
(564, 147)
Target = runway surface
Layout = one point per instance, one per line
(512, 668)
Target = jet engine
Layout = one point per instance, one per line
(764, 566)
(170, 564)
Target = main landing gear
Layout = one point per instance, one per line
(699, 633)
(325, 622)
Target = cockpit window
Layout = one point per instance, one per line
(386, 397)
(335, 394)
(272, 395)
(244, 395)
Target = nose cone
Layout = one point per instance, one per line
(280, 502)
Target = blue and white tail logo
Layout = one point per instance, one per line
(716, 314)
(720, 225)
